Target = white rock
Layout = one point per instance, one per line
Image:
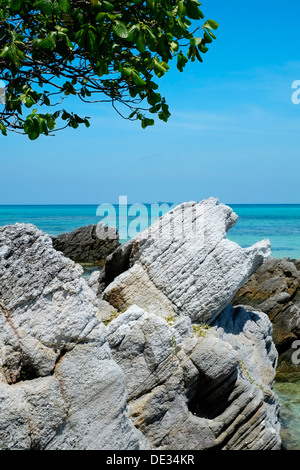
(201, 390)
(60, 387)
(184, 265)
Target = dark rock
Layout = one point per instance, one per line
(274, 289)
(84, 245)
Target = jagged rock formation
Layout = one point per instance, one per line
(78, 373)
(274, 289)
(199, 389)
(183, 264)
(207, 392)
(60, 387)
(89, 244)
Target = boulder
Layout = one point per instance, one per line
(199, 388)
(60, 387)
(274, 289)
(93, 280)
(183, 264)
(89, 244)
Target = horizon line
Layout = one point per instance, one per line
(159, 202)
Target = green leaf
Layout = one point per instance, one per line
(100, 16)
(140, 43)
(133, 32)
(79, 37)
(5, 51)
(51, 123)
(126, 71)
(181, 61)
(211, 24)
(64, 5)
(201, 14)
(160, 68)
(150, 34)
(138, 81)
(192, 9)
(196, 41)
(91, 39)
(164, 116)
(27, 100)
(108, 6)
(47, 6)
(191, 52)
(147, 122)
(66, 39)
(120, 30)
(16, 4)
(198, 55)
(3, 128)
(174, 46)
(102, 68)
(154, 98)
(207, 38)
(210, 33)
(181, 9)
(155, 109)
(32, 127)
(50, 41)
(65, 115)
(202, 48)
(46, 100)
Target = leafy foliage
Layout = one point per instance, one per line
(98, 50)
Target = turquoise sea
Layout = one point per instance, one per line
(279, 223)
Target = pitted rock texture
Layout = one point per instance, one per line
(202, 389)
(89, 244)
(183, 264)
(60, 387)
(275, 289)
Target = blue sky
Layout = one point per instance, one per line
(234, 132)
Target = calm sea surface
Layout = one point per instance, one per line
(279, 223)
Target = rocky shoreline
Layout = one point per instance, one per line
(168, 346)
(275, 289)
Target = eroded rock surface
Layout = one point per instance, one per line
(86, 244)
(182, 265)
(274, 289)
(199, 388)
(60, 387)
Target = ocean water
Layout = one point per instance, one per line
(279, 223)
(288, 392)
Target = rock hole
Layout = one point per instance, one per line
(28, 372)
(211, 399)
